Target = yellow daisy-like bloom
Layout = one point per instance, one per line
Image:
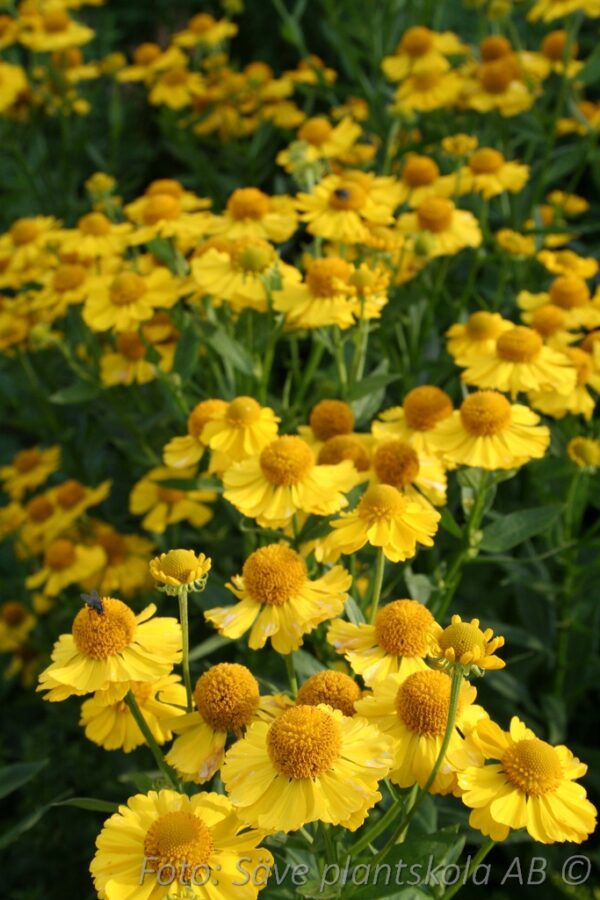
(414, 712)
(66, 563)
(176, 88)
(466, 644)
(532, 785)
(53, 30)
(488, 173)
(421, 50)
(326, 296)
(417, 420)
(28, 470)
(95, 236)
(579, 402)
(26, 240)
(13, 83)
(126, 569)
(311, 764)
(423, 478)
(584, 452)
(322, 140)
(490, 433)
(353, 447)
(124, 300)
(548, 10)
(149, 60)
(50, 514)
(427, 90)
(334, 689)
(476, 337)
(250, 213)
(162, 215)
(128, 364)
(185, 451)
(180, 568)
(239, 430)
(285, 479)
(551, 323)
(448, 229)
(397, 643)
(515, 243)
(226, 699)
(108, 721)
(9, 31)
(162, 842)
(206, 31)
(421, 178)
(521, 362)
(566, 262)
(278, 600)
(341, 207)
(110, 645)
(328, 418)
(498, 87)
(162, 506)
(570, 293)
(12, 516)
(385, 518)
(16, 623)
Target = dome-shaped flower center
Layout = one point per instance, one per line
(67, 278)
(115, 547)
(463, 637)
(146, 54)
(423, 702)
(227, 696)
(165, 186)
(425, 81)
(380, 501)
(26, 460)
(178, 839)
(286, 460)
(252, 255)
(130, 345)
(243, 411)
(416, 41)
(248, 203)
(482, 326)
(582, 363)
(435, 214)
(39, 509)
(176, 77)
(168, 495)
(425, 406)
(519, 345)
(159, 207)
(330, 418)
(24, 231)
(315, 131)
(420, 171)
(548, 319)
(333, 688)
(304, 742)
(126, 289)
(274, 574)
(402, 628)
(203, 413)
(179, 564)
(99, 635)
(327, 276)
(55, 21)
(344, 446)
(494, 47)
(396, 463)
(60, 554)
(532, 766)
(569, 292)
(70, 494)
(554, 46)
(486, 161)
(201, 23)
(13, 614)
(496, 76)
(485, 413)
(348, 196)
(94, 223)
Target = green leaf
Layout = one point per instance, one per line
(79, 392)
(231, 350)
(370, 384)
(305, 663)
(514, 528)
(186, 353)
(419, 586)
(210, 645)
(449, 523)
(354, 612)
(591, 70)
(89, 803)
(12, 777)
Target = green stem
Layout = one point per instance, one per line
(185, 641)
(340, 362)
(476, 861)
(310, 368)
(150, 740)
(568, 589)
(379, 569)
(378, 828)
(291, 673)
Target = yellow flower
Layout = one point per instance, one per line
(66, 563)
(515, 243)
(53, 30)
(109, 723)
(109, 645)
(178, 568)
(124, 300)
(421, 50)
(397, 643)
(149, 60)
(476, 337)
(326, 297)
(571, 294)
(238, 431)
(385, 518)
(459, 144)
(421, 178)
(584, 452)
(566, 262)
(187, 450)
(12, 516)
(466, 644)
(417, 420)
(448, 229)
(353, 447)
(160, 841)
(206, 31)
(498, 87)
(176, 87)
(126, 568)
(28, 470)
(548, 10)
(250, 213)
(128, 364)
(414, 712)
(159, 214)
(490, 433)
(311, 764)
(95, 236)
(577, 402)
(16, 623)
(13, 83)
(488, 173)
(162, 506)
(278, 600)
(328, 418)
(285, 479)
(551, 323)
(321, 140)
(9, 31)
(425, 91)
(532, 785)
(334, 689)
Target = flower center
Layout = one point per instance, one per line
(494, 47)
(304, 742)
(420, 171)
(402, 628)
(70, 494)
(253, 255)
(130, 345)
(533, 766)
(423, 703)
(554, 46)
(203, 413)
(24, 231)
(348, 197)
(227, 696)
(462, 637)
(243, 411)
(201, 23)
(39, 509)
(248, 203)
(169, 495)
(496, 76)
(176, 77)
(325, 275)
(330, 418)
(13, 613)
(60, 555)
(548, 319)
(94, 223)
(274, 574)
(582, 363)
(482, 326)
(159, 207)
(435, 214)
(417, 41)
(315, 131)
(396, 463)
(146, 54)
(426, 81)
(569, 292)
(55, 21)
(344, 446)
(485, 413)
(165, 186)
(115, 547)
(486, 161)
(100, 635)
(126, 289)
(425, 406)
(67, 278)
(287, 460)
(519, 345)
(26, 460)
(380, 501)
(179, 840)
(179, 564)
(333, 688)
